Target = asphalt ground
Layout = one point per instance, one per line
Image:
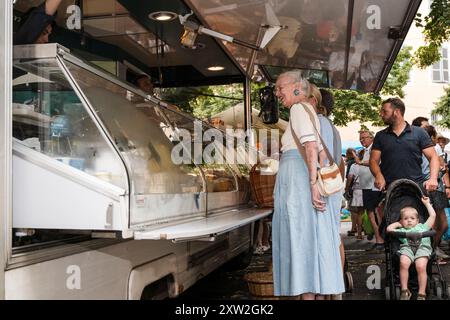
(367, 269)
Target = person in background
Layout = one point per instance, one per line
(263, 235)
(420, 122)
(305, 246)
(348, 194)
(397, 150)
(356, 201)
(349, 160)
(438, 197)
(371, 195)
(144, 83)
(442, 142)
(323, 102)
(38, 24)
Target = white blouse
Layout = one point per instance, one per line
(303, 128)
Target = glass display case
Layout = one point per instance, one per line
(108, 141)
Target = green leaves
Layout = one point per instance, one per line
(443, 109)
(354, 106)
(350, 105)
(436, 29)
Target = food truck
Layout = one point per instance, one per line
(93, 204)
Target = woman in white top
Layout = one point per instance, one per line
(306, 258)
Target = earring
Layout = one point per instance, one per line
(296, 92)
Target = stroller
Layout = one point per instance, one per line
(400, 194)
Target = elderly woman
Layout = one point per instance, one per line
(306, 258)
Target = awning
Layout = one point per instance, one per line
(208, 227)
(349, 44)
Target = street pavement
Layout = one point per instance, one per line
(365, 267)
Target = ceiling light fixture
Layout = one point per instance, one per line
(216, 68)
(163, 16)
(192, 29)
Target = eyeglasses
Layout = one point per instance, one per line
(363, 138)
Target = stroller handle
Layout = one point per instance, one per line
(413, 235)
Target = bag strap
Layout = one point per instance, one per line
(329, 156)
(300, 147)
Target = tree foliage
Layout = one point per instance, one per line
(436, 29)
(204, 102)
(443, 110)
(350, 105)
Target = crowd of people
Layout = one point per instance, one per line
(307, 250)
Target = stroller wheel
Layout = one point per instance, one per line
(437, 288)
(439, 291)
(348, 279)
(397, 293)
(387, 293)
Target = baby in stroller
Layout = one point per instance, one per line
(422, 278)
(415, 246)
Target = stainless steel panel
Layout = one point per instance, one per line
(42, 51)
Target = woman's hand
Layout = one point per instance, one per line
(316, 198)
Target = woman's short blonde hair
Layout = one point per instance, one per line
(315, 93)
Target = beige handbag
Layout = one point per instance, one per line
(329, 178)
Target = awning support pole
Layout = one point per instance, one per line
(248, 109)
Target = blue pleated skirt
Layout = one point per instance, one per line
(305, 242)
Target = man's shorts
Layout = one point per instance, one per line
(371, 199)
(422, 251)
(439, 200)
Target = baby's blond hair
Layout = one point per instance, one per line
(403, 210)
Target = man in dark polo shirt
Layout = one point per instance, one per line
(399, 147)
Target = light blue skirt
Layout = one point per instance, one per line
(305, 242)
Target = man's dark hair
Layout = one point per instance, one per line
(417, 122)
(396, 103)
(327, 100)
(431, 131)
